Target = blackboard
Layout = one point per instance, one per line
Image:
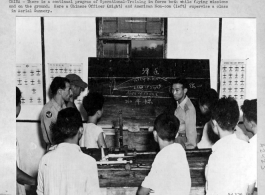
(141, 87)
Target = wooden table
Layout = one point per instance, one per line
(115, 179)
(117, 176)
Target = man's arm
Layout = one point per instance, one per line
(101, 141)
(191, 132)
(40, 187)
(143, 191)
(46, 121)
(24, 178)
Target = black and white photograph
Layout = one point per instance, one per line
(133, 97)
(128, 105)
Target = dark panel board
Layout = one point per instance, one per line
(141, 88)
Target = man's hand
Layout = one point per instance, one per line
(24, 178)
(189, 146)
(143, 191)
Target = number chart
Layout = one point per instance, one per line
(233, 79)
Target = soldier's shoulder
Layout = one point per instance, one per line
(47, 110)
(189, 106)
(48, 105)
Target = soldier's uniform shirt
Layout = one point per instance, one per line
(49, 115)
(186, 114)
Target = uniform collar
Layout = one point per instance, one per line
(225, 141)
(57, 106)
(182, 104)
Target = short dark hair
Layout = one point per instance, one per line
(226, 113)
(18, 96)
(208, 97)
(249, 109)
(181, 80)
(166, 125)
(93, 102)
(58, 83)
(67, 125)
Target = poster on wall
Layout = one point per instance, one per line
(29, 81)
(63, 69)
(233, 79)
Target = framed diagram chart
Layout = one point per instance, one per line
(63, 69)
(233, 79)
(29, 81)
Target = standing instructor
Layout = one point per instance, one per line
(186, 114)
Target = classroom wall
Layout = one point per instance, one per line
(70, 40)
(73, 40)
(64, 43)
(28, 50)
(194, 38)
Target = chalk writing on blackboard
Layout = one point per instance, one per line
(139, 101)
(145, 71)
(144, 93)
(142, 86)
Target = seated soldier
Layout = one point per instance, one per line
(93, 135)
(207, 101)
(229, 169)
(249, 109)
(170, 173)
(66, 169)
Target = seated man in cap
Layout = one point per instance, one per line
(67, 170)
(77, 85)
